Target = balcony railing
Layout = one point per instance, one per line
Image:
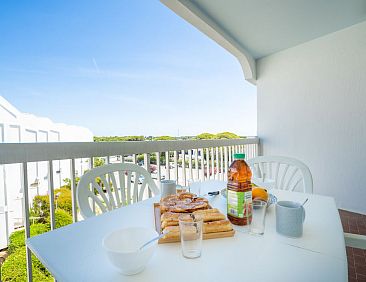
(178, 160)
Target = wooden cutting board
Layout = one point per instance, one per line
(206, 236)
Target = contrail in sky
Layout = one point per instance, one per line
(96, 65)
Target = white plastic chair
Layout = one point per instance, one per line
(276, 172)
(119, 185)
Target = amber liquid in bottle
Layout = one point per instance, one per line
(239, 192)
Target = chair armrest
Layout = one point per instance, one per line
(355, 240)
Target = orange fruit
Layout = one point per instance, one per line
(259, 193)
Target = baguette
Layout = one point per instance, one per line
(173, 232)
(208, 227)
(172, 219)
(174, 222)
(170, 216)
(210, 215)
(213, 217)
(208, 211)
(217, 226)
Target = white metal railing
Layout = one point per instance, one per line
(184, 160)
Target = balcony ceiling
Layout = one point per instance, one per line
(258, 28)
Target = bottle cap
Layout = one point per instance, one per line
(239, 156)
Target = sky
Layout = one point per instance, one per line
(120, 67)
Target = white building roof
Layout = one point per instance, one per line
(11, 118)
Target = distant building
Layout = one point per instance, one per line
(17, 127)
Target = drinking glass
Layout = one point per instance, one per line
(182, 189)
(258, 215)
(191, 236)
(195, 186)
(168, 187)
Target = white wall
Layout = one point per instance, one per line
(18, 127)
(312, 106)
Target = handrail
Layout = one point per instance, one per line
(355, 240)
(197, 159)
(34, 152)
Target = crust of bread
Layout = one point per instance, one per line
(204, 212)
(208, 227)
(172, 219)
(217, 226)
(170, 216)
(213, 217)
(173, 232)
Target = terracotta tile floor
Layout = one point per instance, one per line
(355, 223)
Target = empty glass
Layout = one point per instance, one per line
(182, 189)
(168, 187)
(191, 235)
(195, 186)
(258, 217)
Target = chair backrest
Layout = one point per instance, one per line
(111, 186)
(281, 173)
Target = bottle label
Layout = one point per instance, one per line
(239, 204)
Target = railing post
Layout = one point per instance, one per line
(213, 163)
(176, 166)
(184, 167)
(221, 164)
(202, 152)
(5, 195)
(73, 189)
(51, 193)
(197, 165)
(226, 160)
(26, 219)
(247, 152)
(217, 176)
(147, 167)
(134, 158)
(259, 148)
(158, 167)
(208, 163)
(167, 165)
(190, 164)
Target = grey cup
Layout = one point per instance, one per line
(168, 187)
(290, 217)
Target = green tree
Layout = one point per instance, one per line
(41, 204)
(67, 182)
(15, 268)
(17, 238)
(164, 138)
(206, 136)
(98, 162)
(227, 135)
(118, 138)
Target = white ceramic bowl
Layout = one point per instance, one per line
(122, 247)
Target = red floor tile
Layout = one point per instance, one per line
(361, 278)
(355, 223)
(360, 259)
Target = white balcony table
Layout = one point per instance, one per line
(74, 252)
